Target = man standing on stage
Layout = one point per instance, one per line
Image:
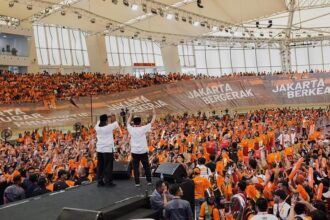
(105, 148)
(139, 146)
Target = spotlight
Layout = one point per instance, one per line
(92, 20)
(149, 38)
(115, 2)
(215, 28)
(184, 19)
(196, 23)
(79, 16)
(11, 4)
(190, 20)
(177, 16)
(202, 24)
(261, 34)
(144, 8)
(63, 13)
(199, 4)
(29, 7)
(136, 34)
(125, 2)
(154, 11)
(46, 10)
(181, 41)
(161, 12)
(108, 25)
(169, 16)
(122, 30)
(135, 7)
(270, 23)
(257, 24)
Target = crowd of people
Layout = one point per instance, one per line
(268, 163)
(27, 88)
(32, 88)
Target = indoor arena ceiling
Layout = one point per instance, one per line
(179, 19)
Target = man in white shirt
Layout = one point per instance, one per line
(105, 148)
(281, 208)
(139, 146)
(262, 214)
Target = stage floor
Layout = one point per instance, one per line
(48, 207)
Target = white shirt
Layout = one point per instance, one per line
(138, 140)
(283, 209)
(105, 143)
(205, 171)
(264, 216)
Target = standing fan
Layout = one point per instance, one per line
(6, 133)
(77, 127)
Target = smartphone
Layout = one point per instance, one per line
(296, 196)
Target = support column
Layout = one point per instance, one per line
(33, 66)
(97, 54)
(171, 59)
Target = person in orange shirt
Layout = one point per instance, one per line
(208, 209)
(201, 184)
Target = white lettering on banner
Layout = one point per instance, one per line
(219, 93)
(227, 96)
(20, 118)
(140, 104)
(313, 87)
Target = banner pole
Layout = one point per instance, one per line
(92, 110)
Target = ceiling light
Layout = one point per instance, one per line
(122, 30)
(63, 13)
(144, 8)
(215, 28)
(125, 2)
(29, 7)
(135, 7)
(149, 38)
(108, 26)
(196, 23)
(270, 23)
(184, 19)
(79, 16)
(92, 20)
(154, 11)
(169, 16)
(177, 16)
(11, 4)
(115, 2)
(161, 12)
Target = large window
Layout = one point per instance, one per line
(60, 46)
(310, 56)
(124, 51)
(221, 60)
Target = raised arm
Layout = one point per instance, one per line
(129, 117)
(153, 116)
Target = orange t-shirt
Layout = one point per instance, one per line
(201, 184)
(213, 211)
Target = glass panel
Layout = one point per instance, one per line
(237, 57)
(302, 56)
(275, 56)
(250, 57)
(200, 59)
(225, 58)
(315, 55)
(212, 59)
(263, 58)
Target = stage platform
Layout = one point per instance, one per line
(91, 197)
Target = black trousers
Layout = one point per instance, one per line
(104, 167)
(145, 163)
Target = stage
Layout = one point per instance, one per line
(91, 197)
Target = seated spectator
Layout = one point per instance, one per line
(14, 192)
(61, 182)
(41, 189)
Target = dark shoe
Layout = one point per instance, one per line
(99, 184)
(111, 184)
